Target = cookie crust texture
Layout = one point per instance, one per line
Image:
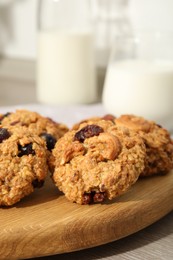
(159, 146)
(93, 119)
(23, 164)
(103, 165)
(36, 123)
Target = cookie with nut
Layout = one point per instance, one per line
(97, 161)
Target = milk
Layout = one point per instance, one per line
(140, 87)
(66, 68)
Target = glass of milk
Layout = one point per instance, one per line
(66, 72)
(139, 77)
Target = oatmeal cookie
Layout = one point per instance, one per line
(159, 146)
(23, 163)
(44, 127)
(97, 161)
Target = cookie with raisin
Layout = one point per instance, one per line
(97, 161)
(159, 146)
(23, 164)
(44, 127)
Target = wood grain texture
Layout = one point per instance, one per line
(45, 223)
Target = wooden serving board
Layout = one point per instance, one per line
(45, 223)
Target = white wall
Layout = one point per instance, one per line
(18, 27)
(18, 23)
(152, 14)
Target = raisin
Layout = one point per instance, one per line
(89, 198)
(37, 184)
(25, 150)
(109, 117)
(15, 122)
(99, 197)
(87, 131)
(4, 115)
(4, 134)
(50, 140)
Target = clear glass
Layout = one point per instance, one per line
(139, 78)
(110, 19)
(66, 71)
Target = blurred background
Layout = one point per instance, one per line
(18, 40)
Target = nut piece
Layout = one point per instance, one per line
(106, 145)
(133, 122)
(71, 151)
